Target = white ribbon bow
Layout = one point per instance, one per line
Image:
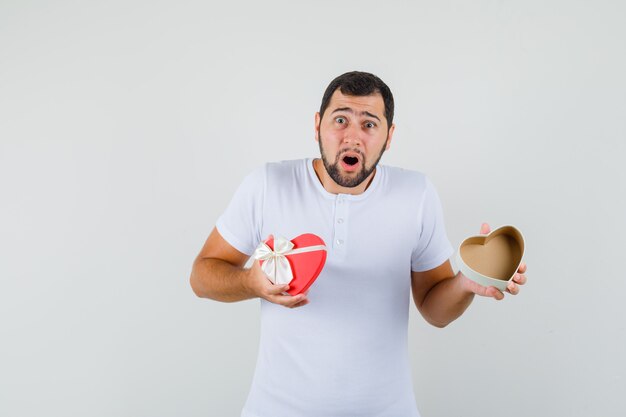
(276, 265)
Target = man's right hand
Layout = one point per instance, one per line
(218, 273)
(258, 283)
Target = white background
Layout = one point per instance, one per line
(125, 127)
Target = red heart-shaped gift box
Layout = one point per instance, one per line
(305, 266)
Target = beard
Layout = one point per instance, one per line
(334, 169)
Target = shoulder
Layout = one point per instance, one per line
(277, 169)
(285, 170)
(403, 179)
(409, 185)
(256, 177)
(275, 173)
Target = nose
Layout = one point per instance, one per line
(352, 135)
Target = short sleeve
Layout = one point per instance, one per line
(433, 247)
(240, 224)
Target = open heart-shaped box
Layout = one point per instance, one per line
(492, 260)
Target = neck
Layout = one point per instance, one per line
(332, 187)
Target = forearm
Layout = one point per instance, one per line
(219, 280)
(446, 301)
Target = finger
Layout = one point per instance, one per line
(477, 288)
(485, 229)
(495, 293)
(287, 300)
(296, 300)
(512, 288)
(520, 279)
(301, 303)
(273, 289)
(522, 268)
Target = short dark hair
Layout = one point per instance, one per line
(357, 83)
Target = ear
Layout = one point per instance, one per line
(390, 136)
(317, 126)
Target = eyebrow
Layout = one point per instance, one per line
(349, 110)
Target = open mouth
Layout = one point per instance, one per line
(350, 162)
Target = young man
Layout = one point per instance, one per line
(345, 353)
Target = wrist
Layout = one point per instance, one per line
(464, 284)
(250, 280)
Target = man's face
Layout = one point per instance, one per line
(352, 135)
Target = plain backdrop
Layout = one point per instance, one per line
(125, 128)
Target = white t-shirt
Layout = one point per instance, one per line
(345, 353)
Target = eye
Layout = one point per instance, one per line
(370, 125)
(340, 120)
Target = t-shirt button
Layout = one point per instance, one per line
(339, 242)
(340, 221)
